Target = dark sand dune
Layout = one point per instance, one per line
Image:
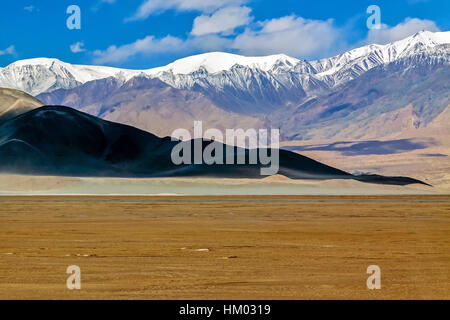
(62, 141)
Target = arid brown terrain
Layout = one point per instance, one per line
(291, 247)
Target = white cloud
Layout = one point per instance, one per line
(30, 8)
(98, 4)
(10, 50)
(147, 45)
(149, 7)
(403, 30)
(290, 35)
(222, 21)
(152, 46)
(214, 30)
(208, 43)
(77, 47)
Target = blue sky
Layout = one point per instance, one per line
(147, 33)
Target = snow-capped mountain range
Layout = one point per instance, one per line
(371, 92)
(224, 71)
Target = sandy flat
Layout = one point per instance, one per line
(225, 247)
(276, 185)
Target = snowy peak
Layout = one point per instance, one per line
(35, 62)
(374, 54)
(421, 41)
(214, 62)
(428, 37)
(39, 75)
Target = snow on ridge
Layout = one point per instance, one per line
(34, 61)
(442, 37)
(39, 75)
(386, 53)
(215, 62)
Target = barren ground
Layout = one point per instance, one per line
(310, 247)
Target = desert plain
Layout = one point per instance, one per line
(225, 247)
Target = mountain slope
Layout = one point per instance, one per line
(384, 101)
(63, 141)
(148, 104)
